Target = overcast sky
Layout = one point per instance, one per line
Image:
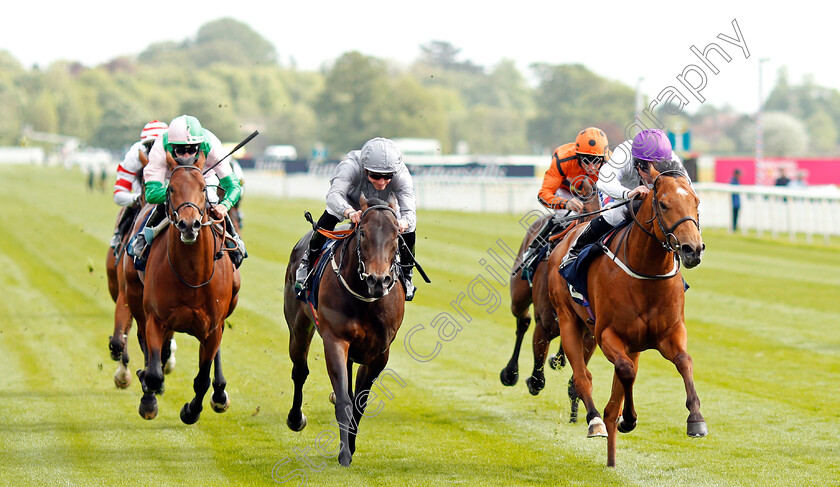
(624, 41)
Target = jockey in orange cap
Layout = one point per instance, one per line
(571, 165)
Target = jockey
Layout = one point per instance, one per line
(626, 175)
(570, 164)
(127, 189)
(377, 170)
(183, 140)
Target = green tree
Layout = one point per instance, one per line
(822, 132)
(353, 106)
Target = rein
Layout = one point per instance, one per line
(174, 218)
(363, 275)
(671, 243)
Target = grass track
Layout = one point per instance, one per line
(763, 331)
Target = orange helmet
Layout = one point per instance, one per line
(592, 141)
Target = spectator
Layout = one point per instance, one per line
(736, 199)
(801, 180)
(782, 180)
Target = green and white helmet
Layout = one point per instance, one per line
(185, 130)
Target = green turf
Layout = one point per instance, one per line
(763, 331)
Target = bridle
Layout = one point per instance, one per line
(361, 268)
(172, 214)
(671, 243)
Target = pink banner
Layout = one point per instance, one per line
(811, 171)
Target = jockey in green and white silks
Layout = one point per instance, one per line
(184, 139)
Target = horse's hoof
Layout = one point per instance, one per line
(557, 361)
(597, 428)
(220, 407)
(296, 426)
(169, 366)
(122, 377)
(625, 427)
(697, 430)
(344, 458)
(509, 377)
(332, 398)
(148, 408)
(534, 385)
(187, 416)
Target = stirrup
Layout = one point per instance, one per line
(570, 257)
(301, 274)
(410, 290)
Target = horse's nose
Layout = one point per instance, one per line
(378, 285)
(196, 225)
(691, 255)
(181, 225)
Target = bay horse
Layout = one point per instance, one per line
(523, 294)
(360, 309)
(191, 286)
(118, 286)
(637, 296)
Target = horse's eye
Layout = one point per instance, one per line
(662, 206)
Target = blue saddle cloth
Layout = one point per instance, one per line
(311, 292)
(575, 273)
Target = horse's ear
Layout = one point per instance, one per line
(201, 160)
(392, 201)
(170, 161)
(143, 158)
(363, 202)
(653, 172)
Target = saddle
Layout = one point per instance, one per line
(575, 273)
(541, 253)
(313, 281)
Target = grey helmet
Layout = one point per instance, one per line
(381, 155)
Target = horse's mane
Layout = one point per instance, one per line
(663, 165)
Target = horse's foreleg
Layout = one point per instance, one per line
(571, 335)
(299, 339)
(206, 353)
(117, 343)
(510, 374)
(673, 348)
(364, 381)
(626, 368)
(151, 378)
(335, 352)
(220, 400)
(543, 334)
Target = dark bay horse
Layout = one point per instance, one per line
(638, 299)
(361, 307)
(523, 294)
(191, 286)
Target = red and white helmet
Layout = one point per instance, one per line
(153, 130)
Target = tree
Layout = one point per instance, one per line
(822, 131)
(353, 106)
(784, 135)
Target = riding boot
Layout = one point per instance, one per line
(143, 238)
(238, 254)
(316, 242)
(534, 248)
(407, 264)
(593, 231)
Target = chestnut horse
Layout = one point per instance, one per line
(191, 286)
(360, 310)
(523, 294)
(637, 296)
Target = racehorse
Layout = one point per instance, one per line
(360, 310)
(637, 296)
(191, 286)
(115, 273)
(523, 294)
